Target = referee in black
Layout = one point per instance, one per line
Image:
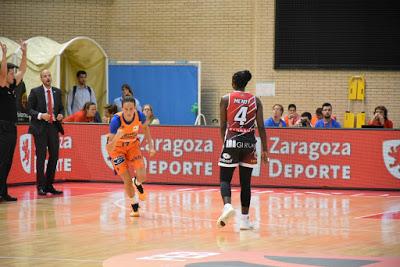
(8, 115)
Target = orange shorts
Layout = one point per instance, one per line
(127, 155)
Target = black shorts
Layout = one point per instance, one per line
(235, 153)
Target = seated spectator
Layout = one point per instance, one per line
(327, 121)
(317, 117)
(86, 114)
(305, 120)
(292, 118)
(148, 112)
(276, 119)
(109, 111)
(381, 118)
(126, 90)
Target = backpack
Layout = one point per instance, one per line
(74, 92)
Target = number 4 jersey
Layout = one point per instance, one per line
(241, 115)
(240, 142)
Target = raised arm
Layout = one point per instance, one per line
(22, 67)
(3, 70)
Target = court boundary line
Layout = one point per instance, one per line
(48, 259)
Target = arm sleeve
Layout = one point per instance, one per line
(142, 117)
(115, 124)
(138, 106)
(267, 123)
(70, 118)
(93, 96)
(69, 100)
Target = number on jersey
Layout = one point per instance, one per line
(241, 115)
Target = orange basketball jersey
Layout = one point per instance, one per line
(130, 129)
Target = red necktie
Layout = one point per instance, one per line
(50, 106)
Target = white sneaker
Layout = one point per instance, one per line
(245, 223)
(227, 213)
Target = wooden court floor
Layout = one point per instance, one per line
(90, 226)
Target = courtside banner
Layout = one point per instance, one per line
(189, 155)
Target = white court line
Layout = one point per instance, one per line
(209, 190)
(186, 189)
(380, 213)
(394, 196)
(48, 259)
(357, 195)
(318, 193)
(336, 193)
(263, 192)
(384, 195)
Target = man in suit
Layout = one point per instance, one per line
(46, 110)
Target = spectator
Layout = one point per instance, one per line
(86, 114)
(305, 120)
(327, 121)
(80, 94)
(150, 118)
(292, 118)
(126, 90)
(109, 111)
(22, 113)
(381, 118)
(317, 117)
(276, 119)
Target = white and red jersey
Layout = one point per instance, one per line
(241, 114)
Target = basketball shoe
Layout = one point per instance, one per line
(135, 210)
(139, 187)
(227, 213)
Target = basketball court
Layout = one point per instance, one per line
(90, 226)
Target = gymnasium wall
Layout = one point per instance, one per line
(225, 35)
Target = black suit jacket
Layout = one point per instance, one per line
(37, 104)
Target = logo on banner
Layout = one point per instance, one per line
(391, 157)
(25, 151)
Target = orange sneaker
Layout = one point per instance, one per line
(142, 194)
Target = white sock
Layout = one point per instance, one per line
(135, 199)
(245, 217)
(137, 182)
(227, 205)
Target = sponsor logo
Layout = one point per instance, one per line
(226, 156)
(25, 152)
(391, 157)
(118, 160)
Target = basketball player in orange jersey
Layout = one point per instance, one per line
(239, 113)
(124, 149)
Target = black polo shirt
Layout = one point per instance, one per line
(8, 103)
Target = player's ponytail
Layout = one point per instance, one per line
(241, 78)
